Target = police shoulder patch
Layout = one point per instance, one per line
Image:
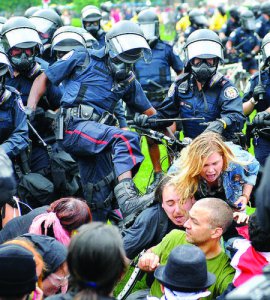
(231, 92)
(171, 90)
(20, 104)
(68, 55)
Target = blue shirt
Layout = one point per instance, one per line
(13, 126)
(92, 83)
(218, 99)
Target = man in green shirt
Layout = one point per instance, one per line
(208, 219)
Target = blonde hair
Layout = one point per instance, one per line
(38, 258)
(192, 159)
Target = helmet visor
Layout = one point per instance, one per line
(23, 38)
(121, 46)
(266, 50)
(204, 49)
(148, 30)
(4, 64)
(72, 40)
(250, 24)
(42, 25)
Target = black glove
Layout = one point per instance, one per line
(258, 92)
(215, 126)
(30, 113)
(262, 119)
(140, 120)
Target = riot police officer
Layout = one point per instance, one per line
(46, 22)
(197, 21)
(155, 77)
(94, 81)
(13, 126)
(263, 22)
(245, 42)
(22, 44)
(231, 25)
(202, 91)
(257, 96)
(91, 17)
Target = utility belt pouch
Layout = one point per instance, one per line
(86, 112)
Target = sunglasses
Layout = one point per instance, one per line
(19, 51)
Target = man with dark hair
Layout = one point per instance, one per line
(208, 219)
(156, 221)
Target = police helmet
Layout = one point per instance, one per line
(234, 13)
(91, 14)
(265, 8)
(203, 43)
(265, 48)
(256, 8)
(2, 22)
(126, 42)
(149, 23)
(247, 20)
(67, 38)
(21, 42)
(4, 62)
(90, 41)
(21, 33)
(197, 18)
(30, 11)
(46, 22)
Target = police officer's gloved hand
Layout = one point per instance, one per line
(30, 113)
(262, 119)
(216, 126)
(140, 119)
(258, 92)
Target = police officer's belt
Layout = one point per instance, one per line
(86, 113)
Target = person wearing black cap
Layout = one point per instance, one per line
(17, 273)
(185, 275)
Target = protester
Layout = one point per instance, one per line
(210, 167)
(155, 222)
(17, 273)
(208, 219)
(57, 220)
(96, 261)
(185, 275)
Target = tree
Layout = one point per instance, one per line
(17, 6)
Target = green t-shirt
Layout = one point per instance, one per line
(220, 265)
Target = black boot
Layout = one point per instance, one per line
(129, 200)
(157, 177)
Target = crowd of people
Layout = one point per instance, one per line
(68, 158)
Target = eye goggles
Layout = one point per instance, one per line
(210, 62)
(19, 51)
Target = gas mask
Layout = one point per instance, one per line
(23, 60)
(203, 69)
(92, 27)
(122, 73)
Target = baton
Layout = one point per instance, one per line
(174, 120)
(36, 133)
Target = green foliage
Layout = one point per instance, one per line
(17, 6)
(79, 4)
